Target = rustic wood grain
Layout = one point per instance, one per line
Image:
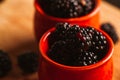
(17, 33)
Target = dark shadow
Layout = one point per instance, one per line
(37, 25)
(42, 24)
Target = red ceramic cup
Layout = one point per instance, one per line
(46, 22)
(51, 70)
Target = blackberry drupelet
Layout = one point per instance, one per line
(110, 30)
(5, 64)
(67, 8)
(28, 62)
(79, 46)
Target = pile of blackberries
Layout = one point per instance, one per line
(75, 45)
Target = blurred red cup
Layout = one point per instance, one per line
(51, 70)
(47, 21)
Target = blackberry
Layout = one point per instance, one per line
(67, 8)
(88, 5)
(5, 64)
(63, 31)
(59, 33)
(76, 45)
(60, 27)
(71, 32)
(28, 62)
(59, 52)
(85, 37)
(98, 42)
(110, 30)
(85, 58)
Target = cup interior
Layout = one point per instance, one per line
(81, 18)
(43, 47)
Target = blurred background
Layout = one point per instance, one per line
(115, 2)
(17, 19)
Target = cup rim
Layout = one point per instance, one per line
(99, 63)
(81, 18)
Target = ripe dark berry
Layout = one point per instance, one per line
(62, 27)
(67, 8)
(88, 5)
(76, 45)
(5, 64)
(28, 62)
(110, 30)
(85, 36)
(60, 32)
(85, 58)
(100, 44)
(57, 51)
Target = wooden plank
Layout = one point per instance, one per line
(17, 33)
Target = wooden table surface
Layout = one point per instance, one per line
(17, 19)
